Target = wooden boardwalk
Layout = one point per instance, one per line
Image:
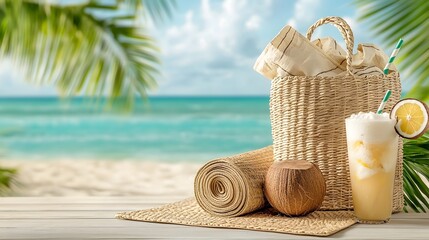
(93, 218)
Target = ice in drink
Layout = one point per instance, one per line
(372, 149)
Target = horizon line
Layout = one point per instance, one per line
(148, 97)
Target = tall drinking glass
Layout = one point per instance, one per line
(372, 150)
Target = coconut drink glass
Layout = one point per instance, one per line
(372, 145)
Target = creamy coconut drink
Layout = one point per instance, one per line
(372, 144)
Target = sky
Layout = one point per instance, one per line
(209, 46)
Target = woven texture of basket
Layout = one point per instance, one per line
(308, 113)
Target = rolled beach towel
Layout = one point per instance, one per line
(233, 186)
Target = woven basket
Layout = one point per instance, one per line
(307, 118)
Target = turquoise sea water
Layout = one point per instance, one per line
(164, 129)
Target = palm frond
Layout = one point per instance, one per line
(79, 50)
(416, 166)
(158, 10)
(7, 178)
(405, 19)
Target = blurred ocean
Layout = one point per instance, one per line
(170, 129)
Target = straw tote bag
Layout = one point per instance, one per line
(308, 113)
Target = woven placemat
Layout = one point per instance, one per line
(188, 212)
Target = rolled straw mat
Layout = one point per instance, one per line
(233, 186)
(188, 212)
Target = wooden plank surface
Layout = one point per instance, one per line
(93, 218)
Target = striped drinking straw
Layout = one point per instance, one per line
(383, 102)
(393, 56)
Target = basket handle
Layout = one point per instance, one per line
(346, 32)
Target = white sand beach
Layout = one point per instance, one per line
(102, 178)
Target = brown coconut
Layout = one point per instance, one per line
(295, 188)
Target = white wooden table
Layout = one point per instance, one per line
(93, 218)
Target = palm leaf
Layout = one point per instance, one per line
(79, 50)
(7, 179)
(416, 166)
(158, 10)
(392, 20)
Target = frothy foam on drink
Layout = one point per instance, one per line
(370, 149)
(370, 116)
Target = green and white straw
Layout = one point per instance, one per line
(393, 56)
(383, 102)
